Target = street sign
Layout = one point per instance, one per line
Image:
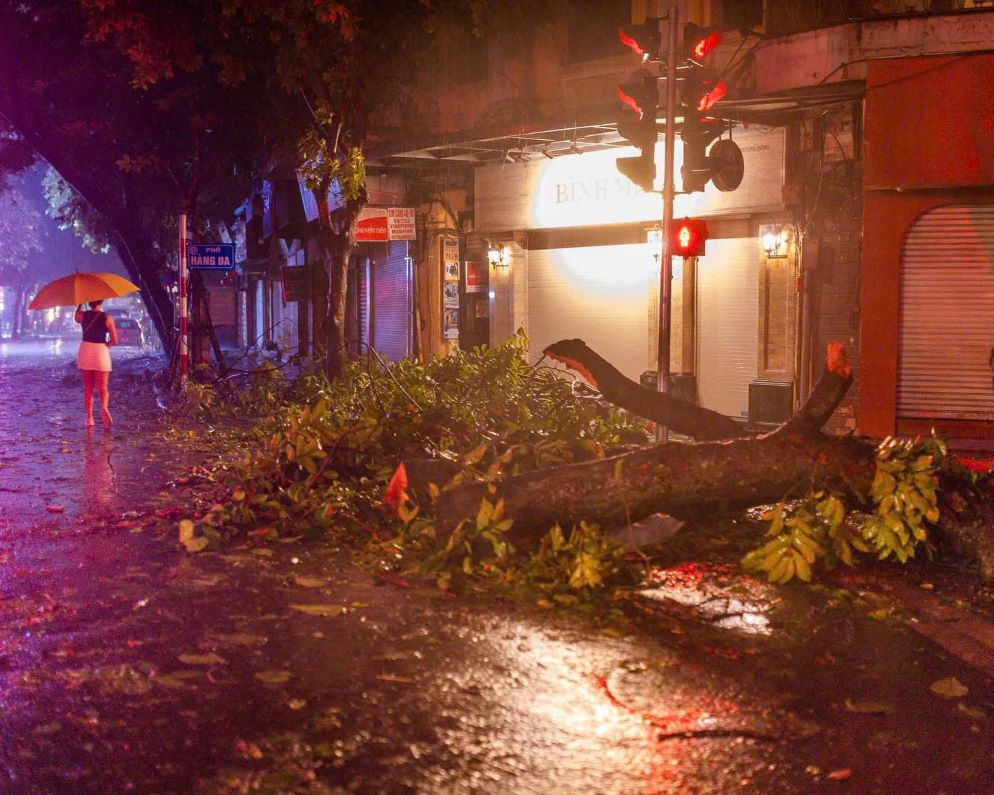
(380, 224)
(210, 256)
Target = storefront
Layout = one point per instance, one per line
(380, 295)
(578, 263)
(380, 307)
(946, 336)
(927, 285)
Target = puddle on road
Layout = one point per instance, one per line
(719, 594)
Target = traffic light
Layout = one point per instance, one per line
(699, 42)
(640, 99)
(701, 89)
(689, 237)
(644, 40)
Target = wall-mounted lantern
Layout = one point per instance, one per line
(775, 239)
(498, 255)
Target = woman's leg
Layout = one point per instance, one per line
(102, 378)
(89, 379)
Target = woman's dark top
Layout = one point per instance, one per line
(94, 326)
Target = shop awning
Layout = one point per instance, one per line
(530, 144)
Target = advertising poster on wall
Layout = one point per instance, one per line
(450, 324)
(450, 288)
(450, 259)
(476, 277)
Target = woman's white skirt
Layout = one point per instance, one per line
(93, 356)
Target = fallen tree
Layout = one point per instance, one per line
(676, 478)
(731, 470)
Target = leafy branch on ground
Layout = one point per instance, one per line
(332, 448)
(822, 529)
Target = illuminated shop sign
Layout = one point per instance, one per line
(588, 190)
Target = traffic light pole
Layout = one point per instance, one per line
(666, 262)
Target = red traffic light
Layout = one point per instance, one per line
(641, 94)
(711, 97)
(644, 40)
(689, 237)
(699, 42)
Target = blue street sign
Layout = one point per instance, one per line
(210, 256)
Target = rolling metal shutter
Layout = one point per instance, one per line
(947, 315)
(360, 332)
(275, 334)
(392, 302)
(364, 305)
(727, 324)
(599, 294)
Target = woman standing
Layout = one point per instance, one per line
(93, 359)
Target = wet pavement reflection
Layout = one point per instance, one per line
(128, 665)
(717, 595)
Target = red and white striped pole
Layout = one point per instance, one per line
(184, 350)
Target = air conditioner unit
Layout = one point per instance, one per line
(770, 402)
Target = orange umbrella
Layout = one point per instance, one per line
(81, 288)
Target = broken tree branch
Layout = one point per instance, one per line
(679, 415)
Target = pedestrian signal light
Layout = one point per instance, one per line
(689, 237)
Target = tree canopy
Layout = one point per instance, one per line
(20, 234)
(146, 108)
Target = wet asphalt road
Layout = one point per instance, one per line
(127, 665)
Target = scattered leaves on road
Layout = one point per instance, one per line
(202, 659)
(405, 680)
(869, 707)
(310, 582)
(273, 677)
(950, 687)
(320, 610)
(971, 712)
(176, 680)
(238, 639)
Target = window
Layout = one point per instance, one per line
(592, 28)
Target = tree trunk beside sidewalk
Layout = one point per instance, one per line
(335, 234)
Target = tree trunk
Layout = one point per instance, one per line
(17, 324)
(133, 248)
(678, 415)
(337, 268)
(199, 354)
(676, 479)
(680, 479)
(335, 237)
(131, 244)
